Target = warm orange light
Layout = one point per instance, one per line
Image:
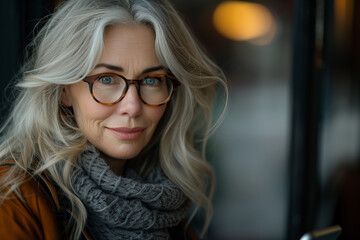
(241, 21)
(343, 19)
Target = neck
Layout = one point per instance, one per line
(116, 165)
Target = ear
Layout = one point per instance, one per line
(66, 97)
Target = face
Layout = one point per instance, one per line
(122, 130)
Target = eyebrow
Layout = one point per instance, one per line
(120, 69)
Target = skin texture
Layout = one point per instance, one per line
(128, 50)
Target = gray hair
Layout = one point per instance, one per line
(41, 131)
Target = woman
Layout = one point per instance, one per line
(107, 111)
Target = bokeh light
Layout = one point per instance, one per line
(244, 21)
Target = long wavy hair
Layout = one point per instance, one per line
(41, 133)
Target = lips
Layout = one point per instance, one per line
(125, 133)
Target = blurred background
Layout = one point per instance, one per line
(287, 153)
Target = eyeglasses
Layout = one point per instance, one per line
(110, 88)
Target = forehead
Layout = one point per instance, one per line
(130, 47)
(123, 41)
(128, 30)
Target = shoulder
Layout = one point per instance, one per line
(31, 214)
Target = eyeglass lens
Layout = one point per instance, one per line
(154, 90)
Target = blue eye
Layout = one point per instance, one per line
(106, 79)
(151, 81)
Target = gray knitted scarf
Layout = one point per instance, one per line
(127, 207)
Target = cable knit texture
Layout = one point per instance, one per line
(127, 207)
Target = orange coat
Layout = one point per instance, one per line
(33, 218)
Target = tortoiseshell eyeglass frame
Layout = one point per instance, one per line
(91, 79)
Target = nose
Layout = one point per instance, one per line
(131, 104)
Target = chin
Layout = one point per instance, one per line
(123, 155)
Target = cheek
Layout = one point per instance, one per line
(88, 113)
(156, 114)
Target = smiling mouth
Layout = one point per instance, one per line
(125, 133)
